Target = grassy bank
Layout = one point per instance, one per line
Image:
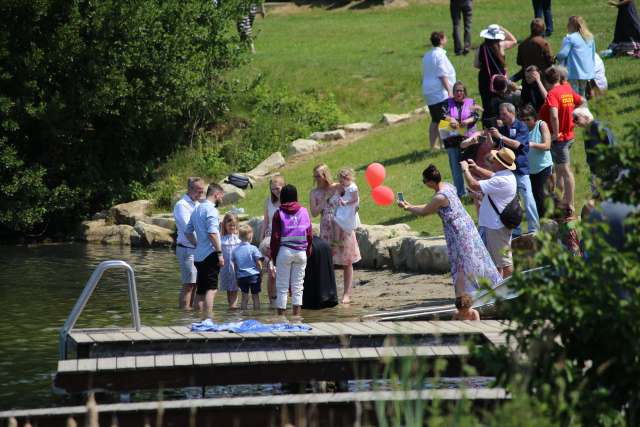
(370, 60)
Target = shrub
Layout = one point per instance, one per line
(96, 94)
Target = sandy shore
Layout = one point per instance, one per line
(378, 290)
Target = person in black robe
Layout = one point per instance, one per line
(319, 278)
(626, 38)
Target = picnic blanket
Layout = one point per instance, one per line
(209, 325)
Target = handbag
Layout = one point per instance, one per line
(239, 181)
(511, 215)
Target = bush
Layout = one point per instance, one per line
(576, 322)
(94, 95)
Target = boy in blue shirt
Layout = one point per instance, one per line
(247, 263)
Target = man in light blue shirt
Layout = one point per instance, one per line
(203, 231)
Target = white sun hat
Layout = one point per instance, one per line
(492, 32)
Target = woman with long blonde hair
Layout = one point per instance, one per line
(271, 205)
(578, 53)
(344, 246)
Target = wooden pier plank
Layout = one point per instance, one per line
(186, 332)
(145, 362)
(106, 363)
(368, 352)
(151, 334)
(202, 359)
(182, 360)
(349, 353)
(239, 357)
(294, 355)
(70, 365)
(386, 352)
(164, 361)
(136, 336)
(221, 358)
(276, 356)
(125, 362)
(169, 333)
(258, 357)
(312, 354)
(80, 338)
(88, 365)
(331, 353)
(359, 328)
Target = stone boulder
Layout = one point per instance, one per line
(164, 220)
(358, 127)
(256, 225)
(421, 254)
(303, 146)
(98, 231)
(376, 243)
(130, 213)
(392, 119)
(331, 135)
(153, 235)
(420, 111)
(267, 167)
(232, 194)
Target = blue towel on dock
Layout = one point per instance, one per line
(209, 325)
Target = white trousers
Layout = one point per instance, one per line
(290, 266)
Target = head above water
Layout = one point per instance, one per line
(288, 194)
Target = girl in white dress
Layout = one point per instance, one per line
(271, 205)
(229, 240)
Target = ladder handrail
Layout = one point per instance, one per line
(89, 287)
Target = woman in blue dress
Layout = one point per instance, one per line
(470, 260)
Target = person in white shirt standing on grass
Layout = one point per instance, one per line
(499, 189)
(184, 249)
(438, 77)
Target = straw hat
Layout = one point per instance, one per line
(505, 157)
(493, 32)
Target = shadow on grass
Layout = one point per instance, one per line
(398, 219)
(337, 4)
(629, 109)
(413, 157)
(627, 81)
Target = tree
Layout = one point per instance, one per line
(93, 95)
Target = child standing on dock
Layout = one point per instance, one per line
(247, 261)
(229, 241)
(465, 312)
(291, 236)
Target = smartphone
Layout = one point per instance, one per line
(400, 196)
(482, 139)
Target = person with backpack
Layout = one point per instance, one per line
(490, 61)
(500, 210)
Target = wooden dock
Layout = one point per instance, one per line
(125, 360)
(323, 409)
(171, 357)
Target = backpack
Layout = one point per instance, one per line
(239, 181)
(511, 215)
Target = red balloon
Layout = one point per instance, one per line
(382, 195)
(375, 174)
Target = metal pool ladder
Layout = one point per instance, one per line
(86, 293)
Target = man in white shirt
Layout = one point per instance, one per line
(501, 186)
(184, 249)
(438, 77)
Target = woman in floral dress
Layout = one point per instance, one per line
(470, 260)
(344, 245)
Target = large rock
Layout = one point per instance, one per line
(130, 213)
(232, 194)
(421, 254)
(420, 111)
(392, 119)
(358, 127)
(303, 146)
(267, 167)
(256, 225)
(164, 220)
(153, 235)
(376, 243)
(98, 231)
(331, 135)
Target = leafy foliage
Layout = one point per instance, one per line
(95, 94)
(576, 323)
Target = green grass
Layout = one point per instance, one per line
(402, 151)
(371, 61)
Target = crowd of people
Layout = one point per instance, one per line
(218, 255)
(512, 148)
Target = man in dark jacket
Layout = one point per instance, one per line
(464, 8)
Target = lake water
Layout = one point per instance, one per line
(39, 285)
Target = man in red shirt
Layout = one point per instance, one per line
(557, 112)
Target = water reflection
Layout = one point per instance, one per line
(39, 285)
